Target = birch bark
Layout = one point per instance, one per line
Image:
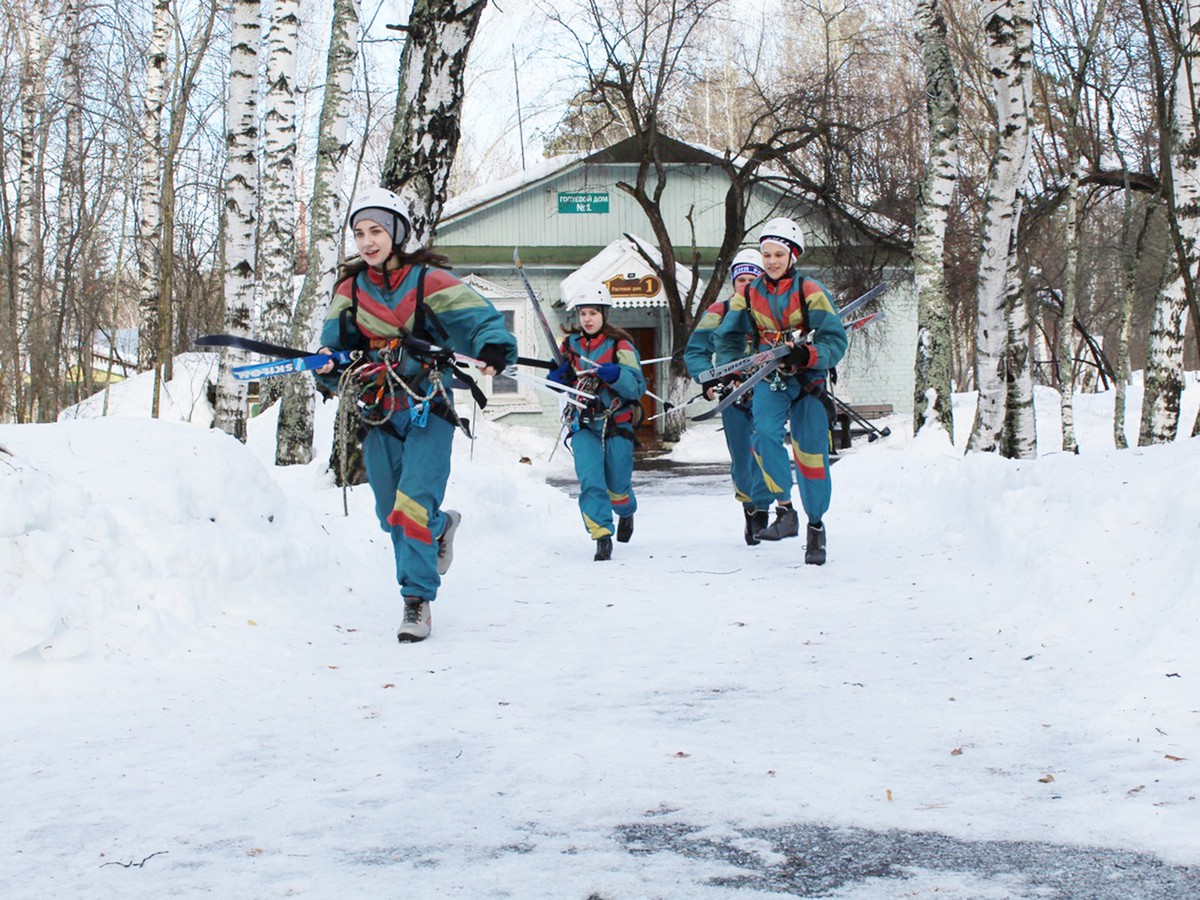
(277, 244)
(27, 305)
(149, 217)
(1131, 251)
(1009, 47)
(294, 434)
(1065, 349)
(932, 391)
(241, 212)
(425, 132)
(1019, 440)
(277, 233)
(51, 389)
(1164, 362)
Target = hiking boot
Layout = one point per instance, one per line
(603, 549)
(446, 541)
(624, 529)
(786, 525)
(814, 549)
(417, 621)
(756, 521)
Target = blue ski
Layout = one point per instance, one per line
(255, 371)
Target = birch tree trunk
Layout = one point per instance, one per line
(149, 222)
(426, 131)
(1164, 363)
(241, 212)
(1065, 348)
(294, 435)
(1019, 440)
(1009, 48)
(277, 245)
(51, 389)
(932, 400)
(277, 231)
(27, 239)
(1131, 251)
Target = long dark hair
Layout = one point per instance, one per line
(422, 256)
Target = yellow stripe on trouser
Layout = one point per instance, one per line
(811, 465)
(595, 531)
(772, 485)
(412, 517)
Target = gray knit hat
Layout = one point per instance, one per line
(383, 217)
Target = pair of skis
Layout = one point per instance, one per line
(767, 361)
(291, 360)
(667, 405)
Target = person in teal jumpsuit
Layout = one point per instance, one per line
(784, 306)
(389, 296)
(602, 360)
(737, 423)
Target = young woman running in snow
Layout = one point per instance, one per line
(601, 359)
(785, 307)
(390, 296)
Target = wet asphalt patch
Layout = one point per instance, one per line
(817, 860)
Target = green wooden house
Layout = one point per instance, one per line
(570, 221)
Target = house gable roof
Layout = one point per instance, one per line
(621, 153)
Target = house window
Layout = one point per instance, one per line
(502, 384)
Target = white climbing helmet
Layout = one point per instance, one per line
(394, 213)
(786, 232)
(747, 262)
(592, 293)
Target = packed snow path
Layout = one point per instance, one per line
(987, 692)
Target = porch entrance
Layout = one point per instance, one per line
(646, 342)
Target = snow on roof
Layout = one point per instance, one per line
(544, 169)
(547, 168)
(623, 267)
(121, 346)
(490, 289)
(494, 190)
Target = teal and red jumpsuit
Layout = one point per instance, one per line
(601, 436)
(770, 312)
(737, 421)
(407, 459)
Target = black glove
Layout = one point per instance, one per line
(495, 356)
(711, 385)
(801, 356)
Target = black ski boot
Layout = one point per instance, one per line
(603, 549)
(756, 521)
(814, 549)
(786, 525)
(624, 528)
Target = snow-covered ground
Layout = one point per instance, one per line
(202, 692)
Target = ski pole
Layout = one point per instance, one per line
(873, 432)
